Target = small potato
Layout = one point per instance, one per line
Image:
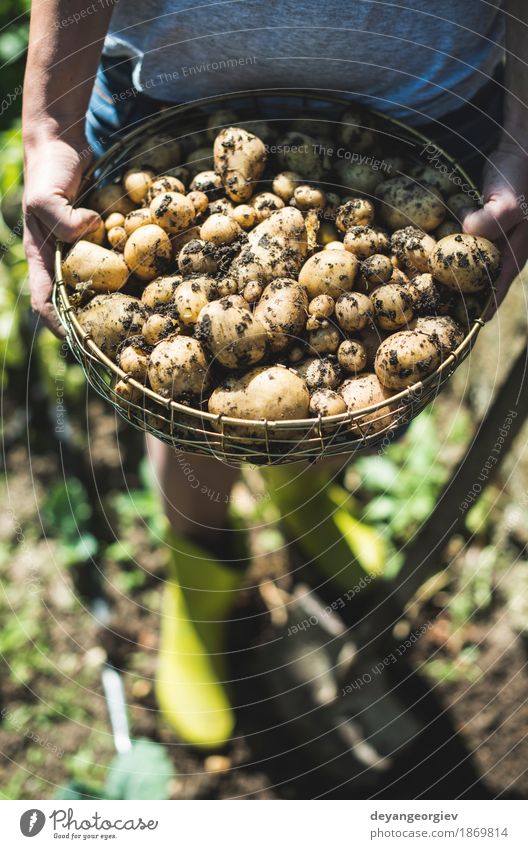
(324, 340)
(227, 328)
(115, 219)
(446, 332)
(230, 285)
(329, 273)
(309, 197)
(393, 306)
(354, 131)
(190, 297)
(399, 276)
(447, 228)
(158, 326)
(413, 247)
(425, 294)
(222, 206)
(109, 319)
(207, 182)
(371, 338)
(322, 306)
(132, 359)
(353, 311)
(405, 203)
(117, 237)
(239, 159)
(358, 177)
(160, 292)
(137, 218)
(352, 356)
(178, 368)
(284, 185)
(198, 257)
(148, 252)
(124, 391)
(428, 176)
(320, 372)
(333, 202)
(467, 309)
(252, 292)
(220, 230)
(162, 185)
(465, 263)
(326, 402)
(137, 182)
(376, 270)
(160, 152)
(302, 155)
(274, 393)
(355, 212)
(172, 211)
(200, 201)
(282, 312)
(406, 358)
(97, 236)
(108, 199)
(334, 246)
(264, 204)
(366, 241)
(364, 391)
(245, 216)
(103, 270)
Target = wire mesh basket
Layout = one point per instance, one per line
(261, 442)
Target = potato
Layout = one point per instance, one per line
(326, 402)
(405, 203)
(172, 211)
(285, 183)
(413, 247)
(115, 219)
(447, 228)
(282, 312)
(446, 332)
(355, 212)
(137, 218)
(355, 133)
(406, 358)
(353, 311)
(137, 182)
(264, 204)
(274, 393)
(190, 297)
(208, 182)
(466, 263)
(124, 391)
(160, 153)
(358, 176)
(365, 241)
(132, 358)
(158, 326)
(109, 319)
(227, 328)
(328, 236)
(163, 184)
(334, 246)
(230, 285)
(245, 216)
(220, 230)
(393, 306)
(222, 206)
(275, 248)
(309, 197)
(467, 309)
(218, 119)
(320, 373)
(352, 356)
(329, 273)
(108, 199)
(252, 292)
(460, 205)
(198, 257)
(363, 391)
(160, 291)
(97, 236)
(148, 252)
(179, 240)
(178, 368)
(301, 154)
(325, 339)
(425, 294)
(428, 176)
(200, 201)
(103, 270)
(376, 270)
(322, 306)
(239, 159)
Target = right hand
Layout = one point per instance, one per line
(52, 176)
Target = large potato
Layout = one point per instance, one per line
(109, 319)
(446, 332)
(198, 257)
(406, 203)
(275, 248)
(329, 273)
(274, 393)
(103, 270)
(172, 211)
(466, 263)
(110, 198)
(148, 252)
(239, 159)
(363, 391)
(282, 312)
(178, 368)
(160, 291)
(302, 155)
(406, 358)
(227, 328)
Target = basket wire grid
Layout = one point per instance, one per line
(260, 442)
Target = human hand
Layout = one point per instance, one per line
(504, 216)
(52, 176)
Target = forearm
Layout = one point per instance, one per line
(516, 73)
(65, 43)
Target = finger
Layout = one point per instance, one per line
(497, 217)
(40, 253)
(514, 251)
(63, 221)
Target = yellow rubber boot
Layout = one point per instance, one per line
(197, 602)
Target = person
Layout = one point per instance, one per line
(458, 72)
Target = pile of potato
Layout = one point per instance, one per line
(254, 289)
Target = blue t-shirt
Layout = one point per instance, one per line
(412, 60)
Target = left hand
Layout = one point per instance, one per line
(504, 216)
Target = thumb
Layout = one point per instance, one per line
(64, 221)
(497, 217)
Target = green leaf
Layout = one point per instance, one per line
(144, 772)
(365, 543)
